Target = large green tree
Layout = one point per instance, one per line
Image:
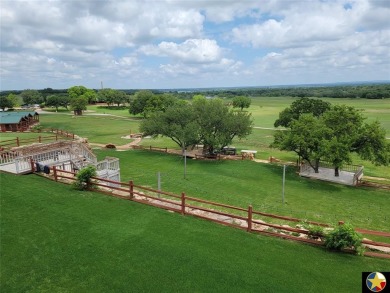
(80, 97)
(301, 106)
(219, 125)
(120, 97)
(79, 104)
(209, 122)
(241, 102)
(146, 102)
(5, 102)
(305, 137)
(178, 123)
(350, 134)
(77, 91)
(139, 102)
(111, 96)
(333, 136)
(58, 100)
(31, 97)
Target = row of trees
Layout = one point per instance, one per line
(318, 131)
(367, 91)
(76, 97)
(201, 121)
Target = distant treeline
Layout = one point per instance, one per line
(375, 91)
(380, 91)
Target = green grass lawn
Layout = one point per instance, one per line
(22, 135)
(113, 110)
(265, 110)
(242, 183)
(99, 129)
(55, 239)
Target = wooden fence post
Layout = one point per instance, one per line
(56, 137)
(73, 135)
(250, 209)
(39, 139)
(55, 173)
(183, 203)
(17, 141)
(131, 189)
(32, 166)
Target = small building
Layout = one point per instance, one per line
(17, 121)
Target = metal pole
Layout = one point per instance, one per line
(284, 180)
(159, 182)
(185, 163)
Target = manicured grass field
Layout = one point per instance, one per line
(100, 128)
(265, 110)
(22, 135)
(242, 183)
(55, 239)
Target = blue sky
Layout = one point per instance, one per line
(199, 43)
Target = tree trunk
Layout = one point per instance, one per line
(317, 166)
(336, 172)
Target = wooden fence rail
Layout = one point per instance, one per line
(187, 206)
(16, 142)
(150, 148)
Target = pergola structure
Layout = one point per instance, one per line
(17, 121)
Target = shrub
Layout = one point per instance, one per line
(84, 176)
(315, 232)
(344, 236)
(37, 128)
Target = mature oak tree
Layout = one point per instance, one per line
(58, 100)
(178, 123)
(333, 136)
(241, 102)
(6, 102)
(145, 102)
(219, 125)
(79, 104)
(299, 107)
(305, 137)
(203, 121)
(31, 97)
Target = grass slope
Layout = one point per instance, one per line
(242, 183)
(55, 239)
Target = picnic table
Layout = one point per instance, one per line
(247, 152)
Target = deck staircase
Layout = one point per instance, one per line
(65, 155)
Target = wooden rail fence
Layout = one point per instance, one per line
(237, 217)
(16, 142)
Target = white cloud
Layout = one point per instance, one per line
(190, 51)
(145, 43)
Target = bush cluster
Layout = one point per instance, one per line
(84, 178)
(344, 236)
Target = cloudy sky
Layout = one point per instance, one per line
(192, 43)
